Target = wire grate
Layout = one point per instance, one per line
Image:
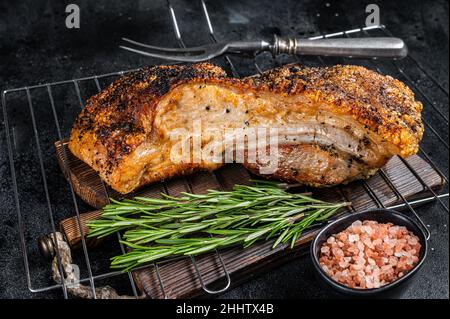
(49, 95)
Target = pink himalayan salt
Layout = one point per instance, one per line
(369, 254)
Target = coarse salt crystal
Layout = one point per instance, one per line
(325, 249)
(369, 254)
(360, 245)
(369, 281)
(337, 251)
(367, 229)
(357, 267)
(376, 283)
(377, 241)
(357, 223)
(368, 243)
(393, 261)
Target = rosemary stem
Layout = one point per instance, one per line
(198, 223)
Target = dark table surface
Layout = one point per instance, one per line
(36, 47)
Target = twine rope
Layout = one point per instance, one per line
(74, 287)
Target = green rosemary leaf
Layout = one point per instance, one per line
(257, 234)
(196, 223)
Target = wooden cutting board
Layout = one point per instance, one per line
(179, 276)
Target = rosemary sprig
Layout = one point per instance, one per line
(194, 224)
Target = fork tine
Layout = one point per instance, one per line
(156, 48)
(171, 57)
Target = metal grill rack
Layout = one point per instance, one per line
(19, 108)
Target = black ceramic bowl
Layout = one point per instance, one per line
(393, 289)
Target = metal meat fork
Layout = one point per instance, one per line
(347, 47)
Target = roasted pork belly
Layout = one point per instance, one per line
(333, 124)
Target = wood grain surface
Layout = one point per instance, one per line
(179, 276)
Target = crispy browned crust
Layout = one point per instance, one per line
(121, 116)
(383, 104)
(118, 119)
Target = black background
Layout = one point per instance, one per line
(36, 47)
